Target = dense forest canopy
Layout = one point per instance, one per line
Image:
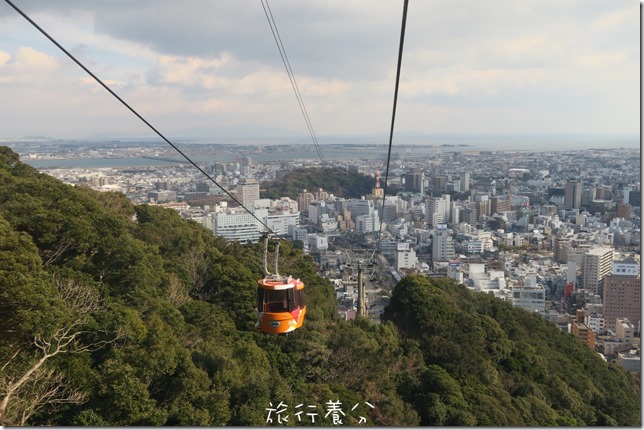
(115, 314)
(334, 180)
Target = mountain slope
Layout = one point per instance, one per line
(114, 314)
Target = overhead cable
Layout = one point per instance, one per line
(108, 89)
(393, 114)
(291, 76)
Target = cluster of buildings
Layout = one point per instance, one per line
(549, 232)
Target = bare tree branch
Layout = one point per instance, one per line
(54, 255)
(40, 384)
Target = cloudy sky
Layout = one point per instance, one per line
(211, 68)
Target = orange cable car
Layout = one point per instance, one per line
(280, 302)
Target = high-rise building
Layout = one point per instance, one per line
(367, 223)
(622, 294)
(465, 181)
(442, 245)
(413, 181)
(573, 195)
(304, 199)
(316, 209)
(626, 194)
(623, 211)
(560, 249)
(389, 213)
(439, 184)
(500, 204)
(247, 191)
(321, 194)
(360, 207)
(437, 210)
(405, 257)
(236, 225)
(635, 198)
(483, 205)
(468, 215)
(597, 264)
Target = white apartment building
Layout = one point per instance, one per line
(406, 259)
(595, 322)
(316, 209)
(475, 247)
(367, 223)
(624, 329)
(597, 264)
(360, 207)
(442, 245)
(530, 298)
(297, 233)
(437, 210)
(318, 242)
(279, 222)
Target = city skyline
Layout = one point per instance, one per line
(499, 68)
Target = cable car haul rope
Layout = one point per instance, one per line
(280, 301)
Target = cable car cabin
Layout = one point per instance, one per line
(280, 304)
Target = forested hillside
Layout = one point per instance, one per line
(334, 180)
(114, 314)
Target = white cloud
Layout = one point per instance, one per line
(214, 64)
(26, 66)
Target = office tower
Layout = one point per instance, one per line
(465, 181)
(413, 182)
(389, 213)
(635, 198)
(622, 294)
(236, 225)
(439, 184)
(247, 191)
(573, 195)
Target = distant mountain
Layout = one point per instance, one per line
(114, 314)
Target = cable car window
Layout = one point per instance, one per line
(296, 299)
(260, 299)
(275, 301)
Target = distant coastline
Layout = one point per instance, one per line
(94, 153)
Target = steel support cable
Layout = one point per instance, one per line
(288, 63)
(108, 89)
(393, 114)
(291, 76)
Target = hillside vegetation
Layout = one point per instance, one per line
(334, 180)
(114, 314)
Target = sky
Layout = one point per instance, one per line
(211, 68)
